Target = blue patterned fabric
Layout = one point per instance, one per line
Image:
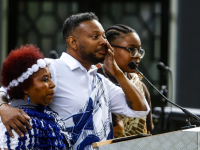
(45, 133)
(93, 123)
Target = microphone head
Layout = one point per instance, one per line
(132, 65)
(53, 54)
(161, 66)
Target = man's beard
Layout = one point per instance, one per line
(90, 57)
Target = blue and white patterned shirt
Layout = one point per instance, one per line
(74, 86)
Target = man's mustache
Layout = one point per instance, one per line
(103, 48)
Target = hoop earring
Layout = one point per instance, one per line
(28, 99)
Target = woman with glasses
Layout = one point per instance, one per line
(127, 47)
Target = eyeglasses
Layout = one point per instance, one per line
(133, 51)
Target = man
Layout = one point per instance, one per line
(83, 98)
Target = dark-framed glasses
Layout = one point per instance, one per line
(133, 51)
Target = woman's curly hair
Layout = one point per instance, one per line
(17, 62)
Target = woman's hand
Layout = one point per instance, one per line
(15, 119)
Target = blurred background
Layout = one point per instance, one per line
(169, 32)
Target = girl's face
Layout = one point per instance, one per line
(122, 55)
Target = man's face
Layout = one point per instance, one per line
(91, 42)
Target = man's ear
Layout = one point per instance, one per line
(72, 41)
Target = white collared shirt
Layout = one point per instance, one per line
(73, 89)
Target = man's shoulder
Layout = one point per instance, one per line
(57, 62)
(58, 66)
(54, 60)
(100, 75)
(105, 80)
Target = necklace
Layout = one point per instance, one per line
(117, 84)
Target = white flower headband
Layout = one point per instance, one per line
(41, 63)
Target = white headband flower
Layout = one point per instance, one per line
(41, 63)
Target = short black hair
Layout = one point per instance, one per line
(118, 31)
(73, 22)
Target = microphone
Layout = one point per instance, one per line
(53, 54)
(132, 65)
(161, 66)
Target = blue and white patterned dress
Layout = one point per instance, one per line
(44, 135)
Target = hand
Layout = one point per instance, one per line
(110, 63)
(15, 119)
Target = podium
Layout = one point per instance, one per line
(188, 139)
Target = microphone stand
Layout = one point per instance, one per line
(164, 102)
(189, 115)
(161, 66)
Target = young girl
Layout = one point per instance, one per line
(127, 47)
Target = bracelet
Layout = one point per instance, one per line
(3, 103)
